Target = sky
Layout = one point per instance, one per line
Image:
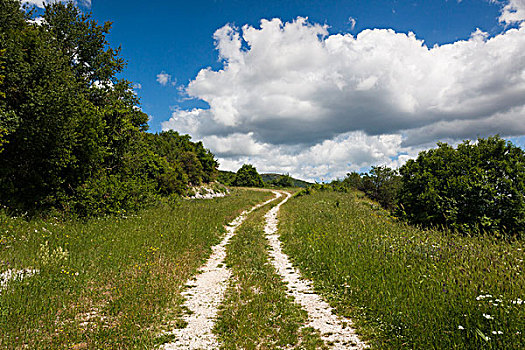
(318, 89)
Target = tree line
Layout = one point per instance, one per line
(247, 176)
(476, 187)
(72, 135)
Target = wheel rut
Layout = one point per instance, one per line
(335, 331)
(205, 293)
(207, 289)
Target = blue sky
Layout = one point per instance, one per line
(176, 37)
(321, 88)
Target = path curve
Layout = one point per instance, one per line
(205, 294)
(335, 331)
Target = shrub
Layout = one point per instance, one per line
(475, 187)
(381, 184)
(248, 176)
(112, 194)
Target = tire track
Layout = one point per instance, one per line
(335, 331)
(205, 294)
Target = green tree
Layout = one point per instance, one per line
(284, 181)
(58, 132)
(473, 188)
(83, 42)
(381, 184)
(248, 176)
(63, 127)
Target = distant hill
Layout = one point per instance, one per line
(226, 178)
(267, 178)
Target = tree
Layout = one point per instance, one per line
(83, 41)
(58, 131)
(248, 176)
(380, 184)
(283, 181)
(473, 188)
(59, 128)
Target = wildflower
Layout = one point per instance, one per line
(488, 317)
(497, 332)
(461, 327)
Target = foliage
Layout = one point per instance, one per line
(112, 194)
(198, 162)
(71, 131)
(226, 177)
(406, 288)
(283, 181)
(248, 176)
(271, 179)
(381, 184)
(477, 187)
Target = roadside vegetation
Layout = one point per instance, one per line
(257, 313)
(405, 287)
(475, 188)
(72, 135)
(109, 282)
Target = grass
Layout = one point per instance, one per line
(110, 282)
(257, 313)
(407, 288)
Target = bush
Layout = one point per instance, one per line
(248, 176)
(112, 194)
(283, 181)
(474, 188)
(381, 184)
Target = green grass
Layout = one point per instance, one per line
(257, 313)
(407, 288)
(110, 282)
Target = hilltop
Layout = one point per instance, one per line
(226, 177)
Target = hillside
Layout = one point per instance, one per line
(226, 177)
(267, 178)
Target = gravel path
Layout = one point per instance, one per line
(205, 294)
(335, 331)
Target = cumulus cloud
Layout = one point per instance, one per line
(354, 151)
(164, 79)
(290, 92)
(137, 86)
(513, 12)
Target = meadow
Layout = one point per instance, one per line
(111, 282)
(404, 287)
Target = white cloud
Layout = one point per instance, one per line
(137, 86)
(352, 22)
(513, 12)
(37, 20)
(352, 151)
(37, 3)
(289, 92)
(164, 79)
(42, 3)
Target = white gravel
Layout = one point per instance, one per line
(10, 275)
(335, 331)
(205, 294)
